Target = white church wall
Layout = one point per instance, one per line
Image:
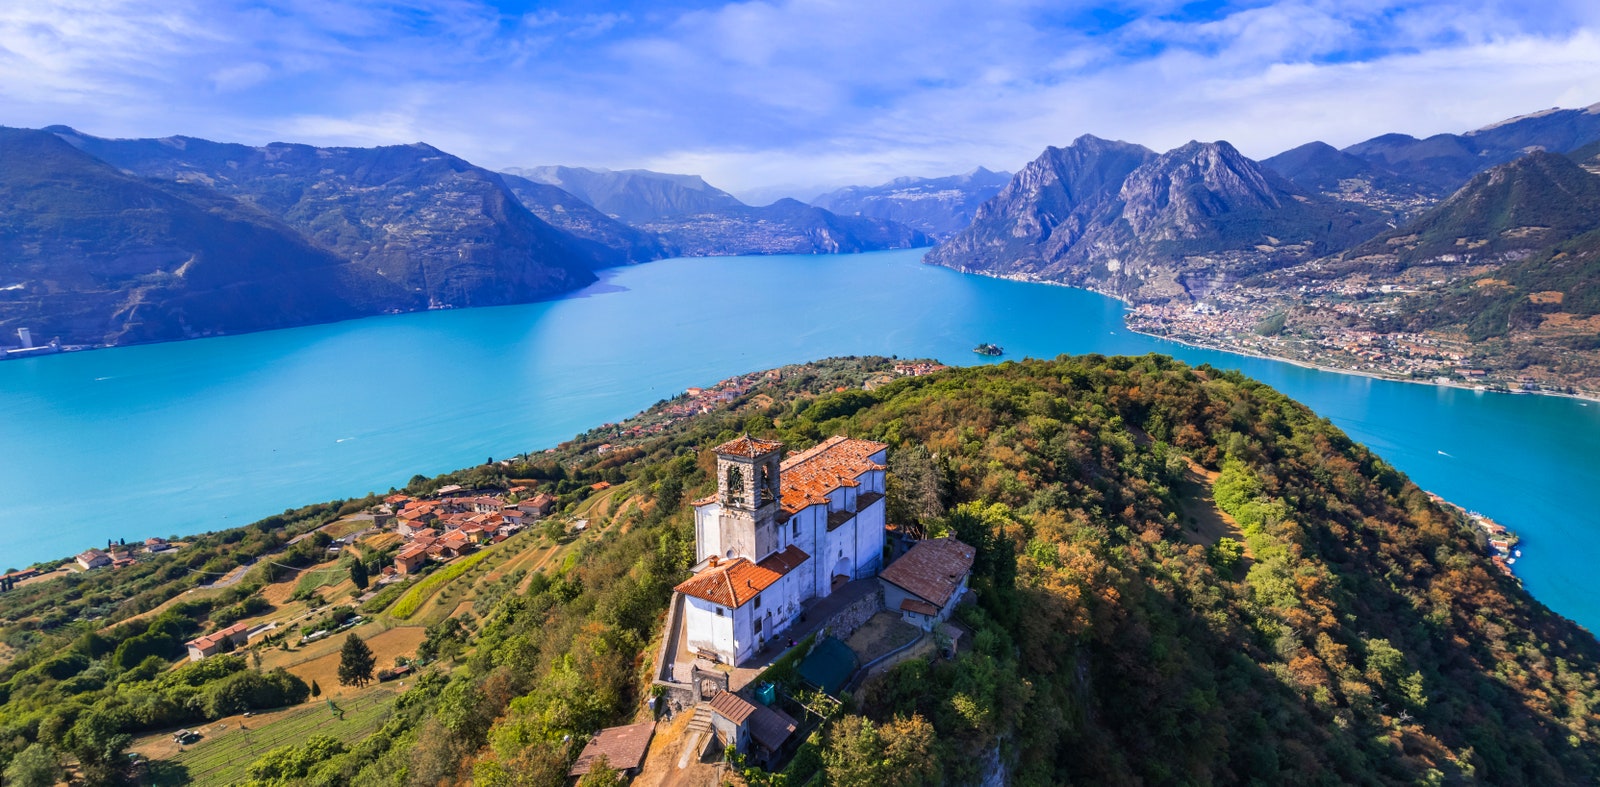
(707, 532)
(706, 630)
(869, 539)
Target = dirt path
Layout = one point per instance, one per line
(1203, 522)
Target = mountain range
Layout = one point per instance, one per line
(693, 218)
(1121, 219)
(199, 237)
(91, 253)
(115, 241)
(939, 207)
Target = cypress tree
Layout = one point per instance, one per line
(355, 662)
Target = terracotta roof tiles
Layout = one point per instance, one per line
(732, 583)
(809, 476)
(624, 748)
(749, 447)
(932, 569)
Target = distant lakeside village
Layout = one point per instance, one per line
(1333, 324)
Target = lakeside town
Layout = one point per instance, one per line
(1350, 323)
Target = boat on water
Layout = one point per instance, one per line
(988, 348)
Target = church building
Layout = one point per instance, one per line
(778, 533)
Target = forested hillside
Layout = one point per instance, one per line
(1183, 576)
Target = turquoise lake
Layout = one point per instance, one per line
(193, 436)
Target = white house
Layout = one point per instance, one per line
(777, 534)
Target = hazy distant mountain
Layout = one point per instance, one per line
(939, 207)
(1444, 162)
(636, 196)
(784, 227)
(1119, 218)
(692, 218)
(567, 211)
(92, 255)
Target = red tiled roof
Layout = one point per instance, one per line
(783, 562)
(216, 637)
(732, 583)
(809, 476)
(932, 569)
(411, 551)
(749, 447)
(623, 747)
(919, 607)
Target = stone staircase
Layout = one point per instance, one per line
(696, 734)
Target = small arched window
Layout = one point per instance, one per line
(735, 484)
(768, 490)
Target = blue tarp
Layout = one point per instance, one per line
(829, 665)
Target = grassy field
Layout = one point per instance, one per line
(320, 575)
(385, 645)
(224, 755)
(319, 661)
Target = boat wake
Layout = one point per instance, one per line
(1441, 453)
(344, 439)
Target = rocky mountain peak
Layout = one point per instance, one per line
(1185, 187)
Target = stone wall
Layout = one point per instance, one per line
(847, 620)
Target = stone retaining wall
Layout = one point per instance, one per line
(847, 620)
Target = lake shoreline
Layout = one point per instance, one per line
(1231, 350)
(298, 412)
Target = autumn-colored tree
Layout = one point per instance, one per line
(897, 754)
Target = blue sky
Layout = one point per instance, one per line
(789, 96)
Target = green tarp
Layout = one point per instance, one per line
(829, 666)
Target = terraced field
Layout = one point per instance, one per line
(224, 755)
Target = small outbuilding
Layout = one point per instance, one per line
(750, 728)
(623, 747)
(213, 643)
(927, 582)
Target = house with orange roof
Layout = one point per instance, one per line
(454, 543)
(411, 559)
(777, 533)
(213, 643)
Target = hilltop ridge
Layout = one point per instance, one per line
(1181, 575)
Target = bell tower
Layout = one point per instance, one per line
(748, 491)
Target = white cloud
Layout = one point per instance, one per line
(815, 93)
(241, 76)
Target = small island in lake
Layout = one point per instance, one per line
(989, 349)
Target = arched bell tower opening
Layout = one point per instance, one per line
(748, 489)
